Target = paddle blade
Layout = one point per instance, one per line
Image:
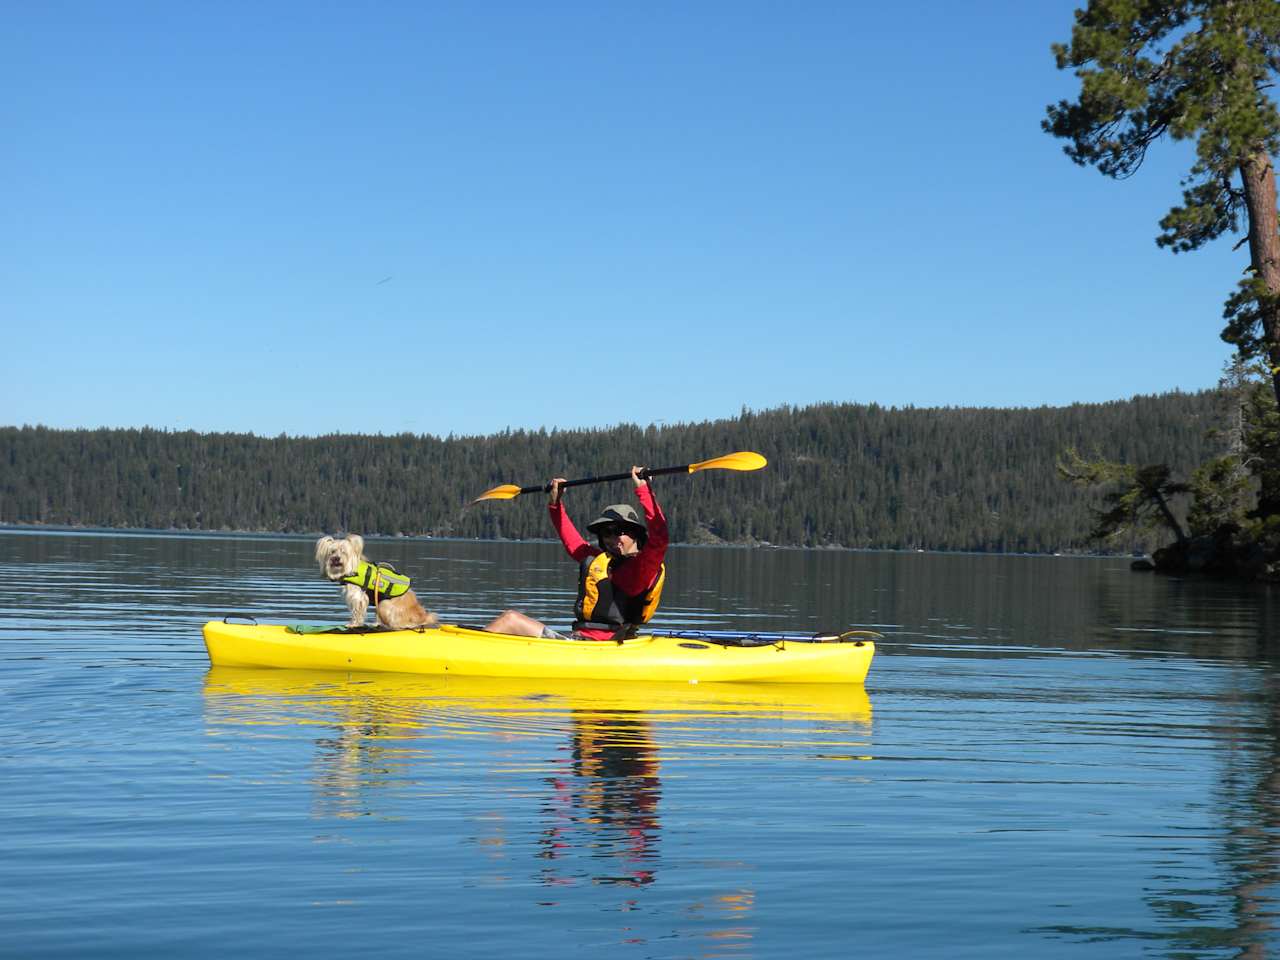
(506, 491)
(743, 460)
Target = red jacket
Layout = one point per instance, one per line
(633, 576)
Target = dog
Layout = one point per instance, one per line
(342, 560)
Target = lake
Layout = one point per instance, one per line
(1052, 757)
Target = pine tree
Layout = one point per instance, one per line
(1199, 70)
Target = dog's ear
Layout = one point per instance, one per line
(357, 543)
(323, 546)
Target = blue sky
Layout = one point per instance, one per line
(450, 218)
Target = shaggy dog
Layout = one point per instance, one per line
(343, 557)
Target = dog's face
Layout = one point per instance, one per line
(339, 557)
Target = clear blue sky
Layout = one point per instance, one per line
(443, 218)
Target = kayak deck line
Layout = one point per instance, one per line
(686, 656)
(729, 638)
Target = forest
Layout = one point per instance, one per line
(839, 476)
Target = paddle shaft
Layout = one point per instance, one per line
(644, 475)
(742, 460)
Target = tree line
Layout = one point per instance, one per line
(839, 475)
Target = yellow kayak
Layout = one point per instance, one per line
(692, 657)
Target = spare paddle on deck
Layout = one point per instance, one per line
(743, 460)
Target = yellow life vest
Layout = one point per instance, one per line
(602, 606)
(379, 580)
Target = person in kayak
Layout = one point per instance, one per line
(619, 581)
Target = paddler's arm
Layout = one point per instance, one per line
(637, 574)
(654, 519)
(569, 536)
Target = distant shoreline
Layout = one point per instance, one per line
(178, 532)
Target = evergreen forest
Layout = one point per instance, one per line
(839, 475)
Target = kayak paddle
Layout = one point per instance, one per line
(743, 460)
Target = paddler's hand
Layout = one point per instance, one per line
(557, 490)
(636, 477)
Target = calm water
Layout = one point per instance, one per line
(1053, 757)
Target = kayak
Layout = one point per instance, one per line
(685, 657)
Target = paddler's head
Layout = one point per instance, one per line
(619, 530)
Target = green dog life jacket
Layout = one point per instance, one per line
(379, 581)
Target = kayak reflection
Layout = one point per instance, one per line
(384, 739)
(604, 798)
(244, 692)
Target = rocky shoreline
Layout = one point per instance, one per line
(1222, 554)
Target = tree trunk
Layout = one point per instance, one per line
(1259, 178)
(1169, 518)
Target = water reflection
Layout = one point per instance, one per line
(367, 752)
(1212, 889)
(1249, 801)
(598, 805)
(603, 800)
